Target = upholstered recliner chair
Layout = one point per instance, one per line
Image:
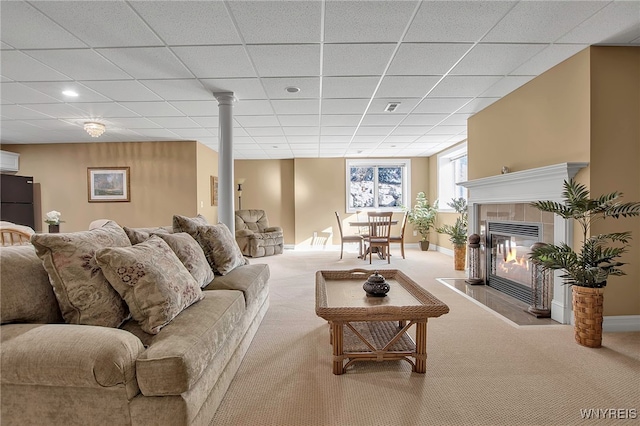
(254, 235)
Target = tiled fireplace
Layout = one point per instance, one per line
(500, 213)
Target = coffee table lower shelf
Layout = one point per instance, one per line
(377, 341)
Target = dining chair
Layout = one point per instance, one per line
(379, 233)
(13, 237)
(348, 238)
(400, 238)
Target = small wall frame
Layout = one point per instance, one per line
(108, 184)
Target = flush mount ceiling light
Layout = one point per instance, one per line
(70, 93)
(94, 129)
(392, 106)
(292, 89)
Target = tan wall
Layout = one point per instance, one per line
(615, 158)
(544, 122)
(207, 166)
(163, 181)
(269, 186)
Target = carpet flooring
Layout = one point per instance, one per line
(481, 369)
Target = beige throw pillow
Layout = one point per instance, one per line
(188, 224)
(138, 235)
(152, 280)
(83, 293)
(220, 248)
(191, 255)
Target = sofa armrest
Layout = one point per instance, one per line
(244, 233)
(273, 229)
(69, 355)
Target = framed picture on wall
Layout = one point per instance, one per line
(108, 184)
(214, 190)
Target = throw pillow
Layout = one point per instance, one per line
(191, 255)
(188, 224)
(83, 293)
(220, 248)
(151, 279)
(138, 235)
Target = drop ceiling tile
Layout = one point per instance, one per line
(456, 120)
(11, 93)
(244, 142)
(153, 109)
(456, 21)
(40, 34)
(17, 112)
(338, 131)
(506, 85)
(175, 122)
(401, 138)
(129, 90)
(80, 64)
(340, 119)
(197, 108)
(301, 131)
(476, 105)
(20, 67)
(58, 110)
(158, 134)
(280, 60)
(134, 123)
(374, 130)
(406, 86)
(296, 106)
(135, 61)
(257, 120)
(447, 130)
(299, 120)
(55, 89)
(424, 119)
(616, 23)
(406, 105)
(54, 124)
(356, 59)
(271, 140)
(405, 130)
(278, 22)
(296, 140)
(334, 140)
(216, 61)
(104, 109)
(102, 23)
(195, 133)
(432, 138)
(386, 119)
(463, 86)
(209, 122)
(264, 131)
(496, 59)
(179, 90)
(252, 107)
(518, 26)
(426, 58)
(349, 87)
(238, 132)
(344, 106)
(184, 23)
(548, 58)
(367, 139)
(242, 88)
(303, 146)
(376, 21)
(441, 105)
(275, 87)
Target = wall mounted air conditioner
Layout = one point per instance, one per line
(9, 161)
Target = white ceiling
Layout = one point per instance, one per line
(147, 69)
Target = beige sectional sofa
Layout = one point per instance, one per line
(56, 372)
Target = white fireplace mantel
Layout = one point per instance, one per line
(542, 183)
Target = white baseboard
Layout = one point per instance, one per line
(443, 250)
(621, 323)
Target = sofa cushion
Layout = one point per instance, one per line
(151, 279)
(182, 350)
(27, 295)
(191, 255)
(250, 279)
(138, 235)
(84, 294)
(188, 224)
(220, 248)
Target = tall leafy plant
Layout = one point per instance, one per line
(423, 215)
(596, 260)
(458, 231)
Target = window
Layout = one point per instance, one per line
(452, 169)
(377, 184)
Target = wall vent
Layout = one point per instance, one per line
(392, 106)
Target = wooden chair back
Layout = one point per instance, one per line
(13, 237)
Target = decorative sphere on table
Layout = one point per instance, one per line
(376, 285)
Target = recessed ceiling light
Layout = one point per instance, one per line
(292, 89)
(70, 93)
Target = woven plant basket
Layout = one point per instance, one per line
(459, 256)
(587, 312)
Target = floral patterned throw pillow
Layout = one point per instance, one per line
(191, 255)
(188, 224)
(151, 279)
(83, 293)
(220, 248)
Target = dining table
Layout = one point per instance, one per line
(365, 224)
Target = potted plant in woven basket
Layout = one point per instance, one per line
(457, 232)
(587, 268)
(423, 217)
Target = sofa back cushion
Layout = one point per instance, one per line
(84, 294)
(27, 295)
(220, 248)
(151, 279)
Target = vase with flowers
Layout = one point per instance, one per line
(52, 218)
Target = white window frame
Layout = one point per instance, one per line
(446, 182)
(405, 163)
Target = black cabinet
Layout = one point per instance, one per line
(16, 196)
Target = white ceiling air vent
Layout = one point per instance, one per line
(392, 106)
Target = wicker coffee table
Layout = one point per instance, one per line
(365, 328)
